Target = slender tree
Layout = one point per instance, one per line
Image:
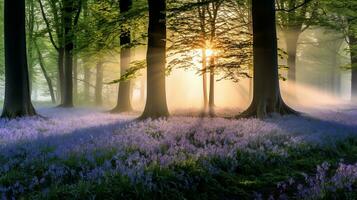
(123, 101)
(156, 105)
(99, 83)
(54, 26)
(71, 12)
(266, 94)
(17, 90)
(45, 73)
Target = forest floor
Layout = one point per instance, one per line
(88, 153)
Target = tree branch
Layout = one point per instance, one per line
(48, 26)
(295, 8)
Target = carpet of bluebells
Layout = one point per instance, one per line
(91, 154)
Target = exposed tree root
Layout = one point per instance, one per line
(263, 110)
(26, 111)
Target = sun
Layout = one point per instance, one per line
(209, 52)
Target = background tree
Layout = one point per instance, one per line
(208, 35)
(71, 12)
(342, 16)
(293, 20)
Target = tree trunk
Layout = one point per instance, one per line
(68, 54)
(291, 38)
(124, 93)
(99, 84)
(266, 95)
(202, 16)
(87, 78)
(204, 80)
(75, 77)
(45, 74)
(60, 85)
(17, 90)
(156, 105)
(353, 47)
(68, 91)
(211, 86)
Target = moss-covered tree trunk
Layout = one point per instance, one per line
(17, 89)
(266, 94)
(156, 105)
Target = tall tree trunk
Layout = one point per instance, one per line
(124, 93)
(266, 95)
(68, 92)
(87, 79)
(211, 86)
(75, 77)
(123, 102)
(60, 84)
(292, 38)
(99, 84)
(156, 105)
(353, 47)
(17, 90)
(45, 74)
(202, 16)
(204, 80)
(68, 53)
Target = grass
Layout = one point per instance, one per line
(186, 180)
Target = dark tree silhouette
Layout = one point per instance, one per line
(156, 105)
(123, 102)
(17, 90)
(71, 12)
(266, 93)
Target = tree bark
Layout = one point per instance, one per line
(17, 89)
(211, 86)
(353, 47)
(266, 95)
(99, 84)
(156, 105)
(202, 16)
(60, 65)
(292, 38)
(68, 53)
(87, 79)
(75, 77)
(68, 91)
(204, 80)
(124, 93)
